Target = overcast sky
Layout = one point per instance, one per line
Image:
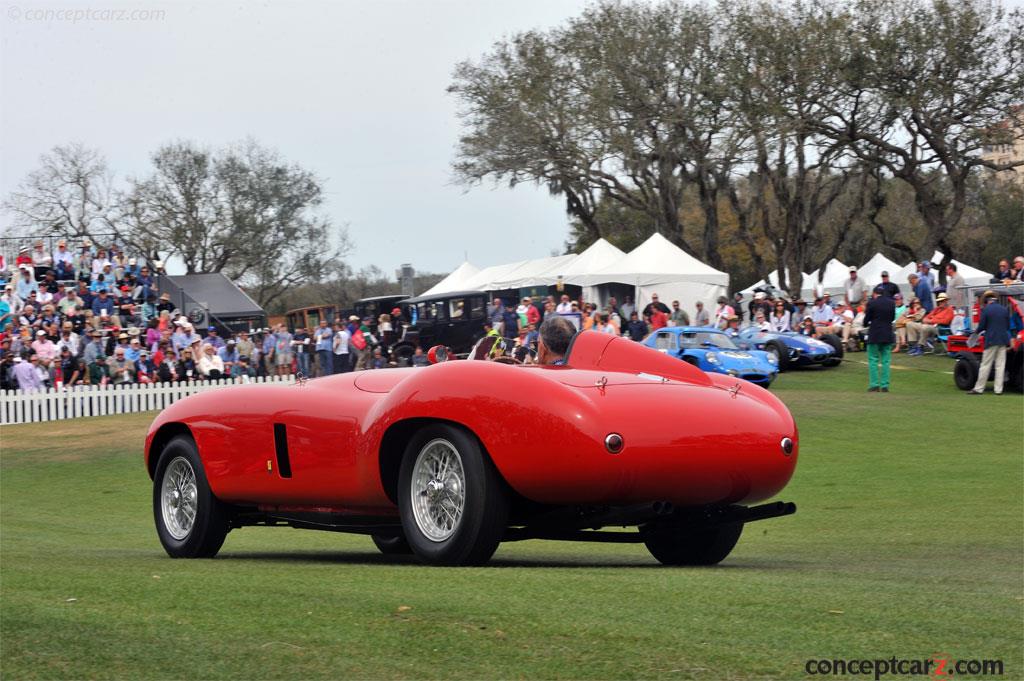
(354, 91)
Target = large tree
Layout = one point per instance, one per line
(924, 86)
(243, 211)
(71, 193)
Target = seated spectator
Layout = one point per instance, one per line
(99, 372)
(229, 356)
(63, 261)
(145, 368)
(187, 370)
(419, 359)
(24, 258)
(732, 325)
(100, 263)
(77, 373)
(26, 284)
(780, 319)
(122, 370)
(243, 369)
(824, 317)
(378, 361)
(41, 260)
(761, 323)
(167, 369)
(920, 333)
(44, 349)
(211, 366)
(1003, 272)
(912, 313)
(807, 327)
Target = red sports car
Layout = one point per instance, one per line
(450, 460)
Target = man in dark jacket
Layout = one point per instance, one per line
(878, 318)
(995, 324)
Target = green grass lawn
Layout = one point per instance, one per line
(907, 542)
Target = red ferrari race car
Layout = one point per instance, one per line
(447, 461)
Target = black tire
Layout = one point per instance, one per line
(781, 351)
(212, 519)
(476, 533)
(965, 371)
(391, 546)
(681, 545)
(837, 346)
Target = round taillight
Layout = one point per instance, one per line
(613, 443)
(787, 446)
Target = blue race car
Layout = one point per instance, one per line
(713, 351)
(793, 349)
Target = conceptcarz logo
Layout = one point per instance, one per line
(939, 666)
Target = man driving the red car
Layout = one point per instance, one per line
(555, 335)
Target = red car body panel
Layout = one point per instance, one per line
(689, 438)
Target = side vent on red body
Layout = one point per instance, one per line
(284, 466)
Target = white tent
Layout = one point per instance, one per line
(659, 266)
(836, 274)
(539, 272)
(456, 281)
(871, 271)
(596, 257)
(972, 275)
(485, 278)
(805, 283)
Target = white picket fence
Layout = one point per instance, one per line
(68, 403)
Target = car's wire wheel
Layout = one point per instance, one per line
(179, 498)
(438, 490)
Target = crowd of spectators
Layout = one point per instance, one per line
(97, 317)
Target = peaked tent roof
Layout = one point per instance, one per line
(597, 256)
(539, 272)
(871, 271)
(654, 261)
(454, 281)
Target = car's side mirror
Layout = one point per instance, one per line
(438, 353)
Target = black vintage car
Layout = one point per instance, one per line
(453, 319)
(375, 307)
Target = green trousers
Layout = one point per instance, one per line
(879, 355)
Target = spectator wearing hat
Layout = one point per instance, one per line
(955, 287)
(823, 316)
(920, 333)
(890, 289)
(25, 375)
(146, 370)
(165, 304)
(24, 258)
(44, 348)
(63, 261)
(212, 338)
(323, 338)
(94, 348)
(66, 367)
(807, 327)
(510, 323)
(878, 318)
(12, 299)
(41, 260)
(99, 371)
(732, 325)
(994, 324)
(702, 317)
(229, 355)
(134, 349)
(924, 269)
(854, 291)
(922, 291)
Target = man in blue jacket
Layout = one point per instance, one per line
(995, 324)
(878, 318)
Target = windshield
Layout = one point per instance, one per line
(697, 339)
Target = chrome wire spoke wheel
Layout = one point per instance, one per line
(179, 498)
(438, 490)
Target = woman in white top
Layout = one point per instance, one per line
(210, 364)
(780, 318)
